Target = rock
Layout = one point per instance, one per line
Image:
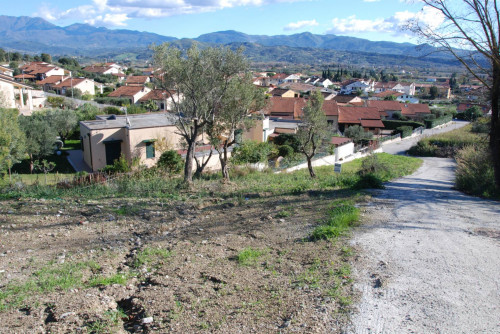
(147, 320)
(83, 222)
(65, 315)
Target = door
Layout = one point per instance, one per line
(113, 151)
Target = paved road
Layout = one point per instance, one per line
(429, 258)
(402, 146)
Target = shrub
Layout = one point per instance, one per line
(287, 139)
(55, 101)
(285, 151)
(251, 152)
(397, 115)
(429, 124)
(405, 131)
(170, 161)
(474, 174)
(423, 149)
(120, 165)
(358, 134)
(481, 125)
(393, 125)
(113, 111)
(136, 109)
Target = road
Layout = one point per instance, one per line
(428, 258)
(402, 146)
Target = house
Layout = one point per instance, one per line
(102, 69)
(278, 79)
(86, 86)
(282, 92)
(312, 80)
(48, 83)
(162, 99)
(344, 147)
(137, 80)
(382, 95)
(292, 78)
(299, 88)
(292, 109)
(133, 93)
(105, 139)
(324, 82)
(400, 87)
(355, 85)
(5, 70)
(386, 108)
(368, 118)
(349, 99)
(39, 71)
(261, 81)
(415, 111)
(9, 88)
(444, 90)
(464, 106)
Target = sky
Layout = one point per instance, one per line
(377, 20)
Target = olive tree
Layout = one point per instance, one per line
(241, 98)
(12, 143)
(471, 33)
(313, 130)
(40, 136)
(200, 80)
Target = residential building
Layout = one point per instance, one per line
(349, 100)
(416, 111)
(49, 82)
(39, 71)
(137, 80)
(9, 88)
(355, 85)
(282, 92)
(133, 93)
(162, 99)
(368, 118)
(102, 69)
(86, 86)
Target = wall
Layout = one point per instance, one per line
(87, 87)
(343, 151)
(7, 97)
(98, 149)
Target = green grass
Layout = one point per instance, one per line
(150, 256)
(249, 256)
(118, 278)
(341, 218)
(72, 144)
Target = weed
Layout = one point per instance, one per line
(97, 327)
(249, 256)
(115, 316)
(150, 256)
(284, 214)
(341, 218)
(119, 278)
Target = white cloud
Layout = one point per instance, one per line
(394, 25)
(117, 12)
(300, 25)
(371, 0)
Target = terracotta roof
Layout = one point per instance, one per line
(340, 140)
(413, 109)
(464, 106)
(155, 94)
(53, 79)
(388, 93)
(126, 91)
(121, 75)
(331, 108)
(279, 76)
(70, 82)
(138, 79)
(385, 105)
(345, 98)
(372, 123)
(10, 80)
(354, 115)
(386, 85)
(25, 76)
(348, 82)
(279, 91)
(96, 69)
(291, 108)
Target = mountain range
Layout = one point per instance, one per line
(36, 35)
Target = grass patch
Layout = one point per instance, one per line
(119, 278)
(341, 218)
(249, 256)
(150, 256)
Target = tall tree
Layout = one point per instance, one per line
(472, 25)
(313, 129)
(40, 136)
(233, 116)
(201, 80)
(12, 143)
(64, 121)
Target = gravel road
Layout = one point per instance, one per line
(429, 258)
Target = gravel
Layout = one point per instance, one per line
(429, 258)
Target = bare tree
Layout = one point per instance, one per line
(200, 81)
(471, 33)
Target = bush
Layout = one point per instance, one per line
(429, 124)
(74, 93)
(251, 152)
(287, 139)
(113, 100)
(474, 174)
(170, 161)
(113, 111)
(423, 149)
(481, 125)
(285, 151)
(136, 109)
(120, 165)
(405, 131)
(393, 125)
(55, 101)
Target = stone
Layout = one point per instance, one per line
(147, 320)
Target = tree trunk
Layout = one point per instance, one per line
(223, 164)
(188, 166)
(201, 166)
(310, 167)
(31, 163)
(495, 124)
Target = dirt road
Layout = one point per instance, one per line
(429, 258)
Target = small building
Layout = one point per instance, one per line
(133, 93)
(86, 86)
(137, 80)
(368, 118)
(162, 99)
(9, 88)
(105, 139)
(283, 92)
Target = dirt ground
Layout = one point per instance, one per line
(181, 263)
(429, 258)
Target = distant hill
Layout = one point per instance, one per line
(35, 35)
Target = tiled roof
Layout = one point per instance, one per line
(292, 107)
(386, 85)
(279, 91)
(96, 69)
(126, 91)
(354, 115)
(345, 98)
(155, 94)
(413, 109)
(388, 93)
(50, 80)
(70, 82)
(340, 140)
(138, 79)
(372, 123)
(385, 105)
(25, 76)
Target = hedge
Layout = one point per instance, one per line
(431, 123)
(405, 131)
(393, 125)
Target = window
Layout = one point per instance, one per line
(150, 150)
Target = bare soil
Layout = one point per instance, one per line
(296, 285)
